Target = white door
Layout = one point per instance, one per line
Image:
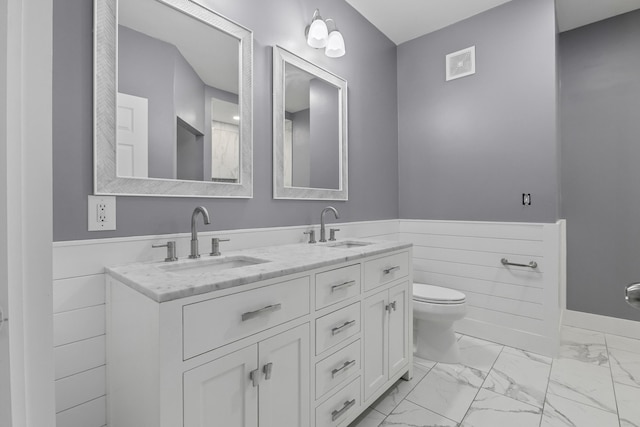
(284, 385)
(398, 328)
(132, 157)
(375, 342)
(221, 392)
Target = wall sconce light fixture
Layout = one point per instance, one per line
(324, 34)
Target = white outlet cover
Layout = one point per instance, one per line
(109, 214)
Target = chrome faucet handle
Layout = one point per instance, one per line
(332, 234)
(171, 250)
(312, 235)
(215, 246)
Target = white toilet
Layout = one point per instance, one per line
(434, 311)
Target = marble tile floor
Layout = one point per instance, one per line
(594, 382)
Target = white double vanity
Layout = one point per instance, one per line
(285, 336)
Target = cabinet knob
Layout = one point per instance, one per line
(267, 370)
(254, 376)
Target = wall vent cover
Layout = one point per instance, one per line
(461, 63)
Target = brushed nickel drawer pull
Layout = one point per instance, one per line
(338, 329)
(391, 269)
(338, 413)
(343, 368)
(342, 286)
(268, 309)
(532, 264)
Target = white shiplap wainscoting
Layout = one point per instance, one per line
(516, 306)
(79, 302)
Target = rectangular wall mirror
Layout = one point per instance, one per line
(310, 130)
(173, 101)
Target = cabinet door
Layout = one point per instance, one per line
(284, 392)
(398, 328)
(221, 392)
(375, 342)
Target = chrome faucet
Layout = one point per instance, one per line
(194, 234)
(323, 237)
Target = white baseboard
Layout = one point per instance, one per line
(605, 324)
(546, 346)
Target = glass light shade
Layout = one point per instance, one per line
(317, 33)
(335, 45)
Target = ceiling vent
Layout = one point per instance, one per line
(461, 63)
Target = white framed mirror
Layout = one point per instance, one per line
(172, 101)
(310, 148)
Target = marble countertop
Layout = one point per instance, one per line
(167, 281)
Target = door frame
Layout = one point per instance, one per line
(26, 227)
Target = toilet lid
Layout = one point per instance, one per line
(436, 294)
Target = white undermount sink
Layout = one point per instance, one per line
(210, 265)
(348, 244)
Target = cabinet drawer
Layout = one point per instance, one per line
(383, 270)
(337, 409)
(336, 327)
(213, 323)
(337, 285)
(337, 368)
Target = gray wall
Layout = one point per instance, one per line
(369, 67)
(300, 148)
(189, 146)
(325, 135)
(470, 147)
(157, 71)
(189, 95)
(141, 56)
(600, 153)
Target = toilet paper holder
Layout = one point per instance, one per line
(632, 295)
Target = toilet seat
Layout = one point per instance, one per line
(436, 294)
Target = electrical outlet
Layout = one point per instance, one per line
(102, 213)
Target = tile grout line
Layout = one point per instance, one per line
(573, 359)
(405, 397)
(546, 391)
(613, 383)
(409, 392)
(483, 381)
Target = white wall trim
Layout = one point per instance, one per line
(514, 306)
(604, 324)
(27, 228)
